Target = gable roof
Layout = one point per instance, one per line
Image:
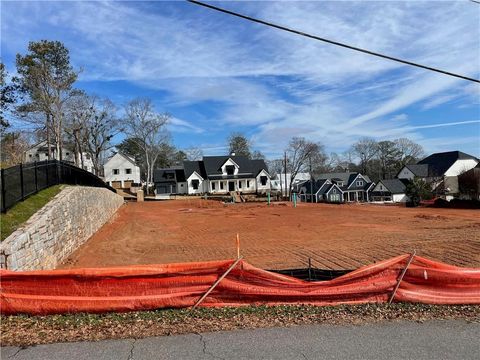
(395, 186)
(194, 166)
(439, 163)
(420, 170)
(346, 177)
(126, 157)
(160, 175)
(213, 165)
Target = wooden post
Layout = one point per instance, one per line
(216, 283)
(238, 246)
(309, 269)
(401, 276)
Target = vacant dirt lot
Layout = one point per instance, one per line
(280, 236)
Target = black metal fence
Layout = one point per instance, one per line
(20, 181)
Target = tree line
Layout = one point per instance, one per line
(43, 96)
(376, 159)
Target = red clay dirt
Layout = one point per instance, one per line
(280, 236)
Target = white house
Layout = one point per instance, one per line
(392, 190)
(278, 182)
(121, 171)
(39, 152)
(441, 171)
(214, 175)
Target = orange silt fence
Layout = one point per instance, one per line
(147, 287)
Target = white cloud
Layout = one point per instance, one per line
(279, 83)
(179, 125)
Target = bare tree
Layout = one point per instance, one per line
(300, 153)
(388, 156)
(13, 146)
(365, 149)
(80, 110)
(275, 167)
(148, 129)
(409, 151)
(194, 153)
(257, 155)
(102, 126)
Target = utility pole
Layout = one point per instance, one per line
(286, 191)
(311, 180)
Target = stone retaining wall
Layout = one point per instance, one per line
(59, 228)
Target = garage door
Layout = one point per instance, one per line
(116, 184)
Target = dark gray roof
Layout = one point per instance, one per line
(395, 186)
(213, 165)
(346, 177)
(420, 170)
(194, 166)
(160, 175)
(439, 163)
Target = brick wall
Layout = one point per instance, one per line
(59, 228)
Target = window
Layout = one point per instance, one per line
(29, 155)
(195, 184)
(360, 183)
(240, 184)
(263, 180)
(340, 183)
(221, 185)
(213, 186)
(116, 171)
(248, 183)
(230, 169)
(334, 191)
(67, 153)
(129, 171)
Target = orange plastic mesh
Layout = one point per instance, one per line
(147, 287)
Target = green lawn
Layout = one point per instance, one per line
(21, 212)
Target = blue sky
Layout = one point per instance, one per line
(215, 74)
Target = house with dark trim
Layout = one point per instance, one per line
(337, 187)
(441, 170)
(215, 175)
(391, 190)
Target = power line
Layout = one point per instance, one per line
(249, 18)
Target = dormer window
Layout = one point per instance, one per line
(230, 169)
(360, 183)
(340, 183)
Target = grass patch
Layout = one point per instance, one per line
(24, 330)
(22, 211)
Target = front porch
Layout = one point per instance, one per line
(356, 196)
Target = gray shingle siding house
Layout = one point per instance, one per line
(337, 187)
(392, 190)
(217, 175)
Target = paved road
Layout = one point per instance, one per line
(399, 340)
